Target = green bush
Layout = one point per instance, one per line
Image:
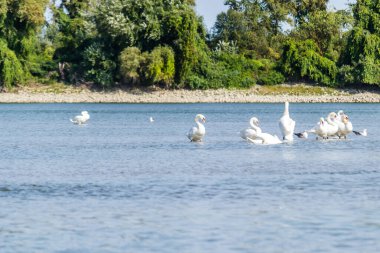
(267, 73)
(160, 67)
(130, 61)
(11, 70)
(98, 66)
(301, 60)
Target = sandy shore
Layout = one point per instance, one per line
(254, 95)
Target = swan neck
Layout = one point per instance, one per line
(286, 110)
(256, 128)
(252, 124)
(331, 122)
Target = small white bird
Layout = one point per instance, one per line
(287, 125)
(362, 133)
(81, 119)
(303, 135)
(151, 120)
(196, 134)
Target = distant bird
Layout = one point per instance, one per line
(196, 134)
(151, 120)
(81, 119)
(303, 135)
(362, 133)
(287, 125)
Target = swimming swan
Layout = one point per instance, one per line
(250, 133)
(287, 125)
(196, 134)
(81, 119)
(263, 138)
(151, 120)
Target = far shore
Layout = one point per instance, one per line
(299, 93)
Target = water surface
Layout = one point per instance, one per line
(123, 184)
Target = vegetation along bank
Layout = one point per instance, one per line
(163, 43)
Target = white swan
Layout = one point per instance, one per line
(332, 127)
(81, 119)
(320, 129)
(250, 133)
(263, 138)
(151, 120)
(345, 126)
(196, 134)
(287, 125)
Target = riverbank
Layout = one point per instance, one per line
(295, 93)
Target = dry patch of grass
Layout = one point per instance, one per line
(297, 90)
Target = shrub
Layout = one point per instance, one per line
(302, 60)
(160, 67)
(98, 66)
(11, 70)
(130, 61)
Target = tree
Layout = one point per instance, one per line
(302, 60)
(363, 49)
(255, 26)
(147, 24)
(20, 23)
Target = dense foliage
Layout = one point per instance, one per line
(164, 43)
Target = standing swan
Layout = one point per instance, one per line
(332, 126)
(196, 134)
(81, 119)
(287, 125)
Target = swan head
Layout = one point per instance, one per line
(200, 117)
(322, 121)
(332, 115)
(340, 113)
(255, 121)
(346, 119)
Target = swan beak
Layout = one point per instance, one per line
(204, 120)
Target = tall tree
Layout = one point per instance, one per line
(147, 24)
(363, 49)
(20, 24)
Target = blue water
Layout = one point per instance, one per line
(122, 184)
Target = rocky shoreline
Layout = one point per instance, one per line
(183, 96)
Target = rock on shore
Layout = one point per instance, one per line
(183, 96)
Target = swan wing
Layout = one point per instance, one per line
(255, 141)
(248, 133)
(194, 134)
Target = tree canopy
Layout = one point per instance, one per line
(163, 42)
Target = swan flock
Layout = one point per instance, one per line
(335, 125)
